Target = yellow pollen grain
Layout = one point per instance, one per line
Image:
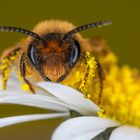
(25, 87)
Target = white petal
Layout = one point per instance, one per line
(125, 133)
(33, 100)
(72, 97)
(82, 128)
(41, 91)
(14, 85)
(26, 118)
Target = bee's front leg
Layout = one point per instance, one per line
(6, 64)
(23, 61)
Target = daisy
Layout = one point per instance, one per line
(119, 109)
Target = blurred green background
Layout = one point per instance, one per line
(122, 36)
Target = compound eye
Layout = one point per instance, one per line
(75, 52)
(31, 54)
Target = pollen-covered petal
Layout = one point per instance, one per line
(72, 97)
(26, 118)
(34, 100)
(82, 128)
(125, 133)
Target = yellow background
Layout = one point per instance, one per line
(122, 36)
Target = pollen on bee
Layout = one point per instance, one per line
(25, 87)
(89, 96)
(91, 66)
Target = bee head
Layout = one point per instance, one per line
(54, 58)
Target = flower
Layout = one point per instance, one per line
(119, 108)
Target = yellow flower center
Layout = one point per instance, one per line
(121, 96)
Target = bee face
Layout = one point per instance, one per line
(53, 58)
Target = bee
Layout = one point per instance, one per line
(49, 53)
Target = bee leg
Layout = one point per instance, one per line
(102, 77)
(6, 63)
(23, 72)
(5, 76)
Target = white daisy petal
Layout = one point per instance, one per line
(16, 91)
(82, 128)
(14, 85)
(33, 100)
(26, 118)
(72, 97)
(125, 133)
(41, 91)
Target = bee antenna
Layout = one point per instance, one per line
(85, 27)
(20, 30)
